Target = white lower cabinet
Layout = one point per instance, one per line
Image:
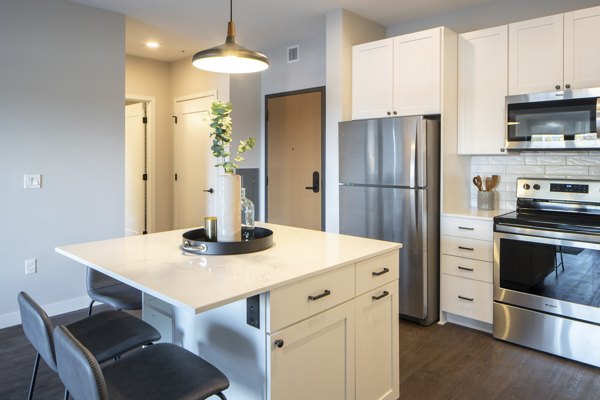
(466, 290)
(377, 350)
(339, 345)
(314, 359)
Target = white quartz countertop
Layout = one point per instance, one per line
(474, 213)
(155, 264)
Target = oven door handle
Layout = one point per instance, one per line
(547, 237)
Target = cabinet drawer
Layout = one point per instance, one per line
(376, 271)
(292, 303)
(469, 248)
(466, 297)
(467, 268)
(468, 228)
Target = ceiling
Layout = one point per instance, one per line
(183, 27)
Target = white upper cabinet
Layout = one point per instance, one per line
(482, 86)
(397, 76)
(417, 71)
(536, 55)
(555, 53)
(582, 48)
(372, 83)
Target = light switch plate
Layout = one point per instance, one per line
(30, 266)
(32, 181)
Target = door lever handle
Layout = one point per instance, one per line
(315, 182)
(211, 190)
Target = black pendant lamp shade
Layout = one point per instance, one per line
(230, 57)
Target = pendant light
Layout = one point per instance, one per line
(230, 57)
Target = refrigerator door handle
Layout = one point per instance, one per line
(420, 156)
(413, 158)
(422, 242)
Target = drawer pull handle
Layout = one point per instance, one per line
(465, 228)
(466, 248)
(465, 298)
(381, 296)
(465, 269)
(319, 296)
(383, 271)
(278, 343)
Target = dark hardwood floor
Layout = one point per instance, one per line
(453, 362)
(436, 362)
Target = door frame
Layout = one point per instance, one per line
(321, 90)
(150, 155)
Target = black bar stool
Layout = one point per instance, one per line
(107, 334)
(162, 371)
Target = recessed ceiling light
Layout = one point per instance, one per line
(152, 45)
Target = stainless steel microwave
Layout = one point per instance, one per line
(565, 120)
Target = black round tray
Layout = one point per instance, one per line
(260, 239)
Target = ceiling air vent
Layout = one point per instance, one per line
(293, 54)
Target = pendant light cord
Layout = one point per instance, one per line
(230, 10)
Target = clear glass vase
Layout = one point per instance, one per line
(247, 210)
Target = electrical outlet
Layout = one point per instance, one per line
(32, 181)
(30, 266)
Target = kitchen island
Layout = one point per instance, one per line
(314, 316)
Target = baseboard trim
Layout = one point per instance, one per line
(61, 307)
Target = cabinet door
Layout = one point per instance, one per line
(316, 358)
(482, 86)
(372, 78)
(582, 48)
(535, 55)
(417, 73)
(377, 350)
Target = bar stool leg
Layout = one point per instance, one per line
(34, 375)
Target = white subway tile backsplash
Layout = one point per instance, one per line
(525, 170)
(507, 160)
(584, 160)
(564, 164)
(487, 169)
(595, 172)
(567, 170)
(545, 160)
(480, 160)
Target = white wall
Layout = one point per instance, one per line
(494, 13)
(151, 78)
(308, 72)
(344, 29)
(61, 115)
(246, 102)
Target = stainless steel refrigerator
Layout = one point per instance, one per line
(390, 190)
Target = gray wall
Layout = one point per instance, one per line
(494, 13)
(61, 115)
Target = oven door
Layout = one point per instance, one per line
(548, 271)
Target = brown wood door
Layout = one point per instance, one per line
(294, 140)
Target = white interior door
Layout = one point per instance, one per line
(134, 169)
(195, 173)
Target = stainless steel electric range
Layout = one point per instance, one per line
(547, 269)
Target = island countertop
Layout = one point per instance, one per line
(155, 264)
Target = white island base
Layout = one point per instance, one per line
(349, 351)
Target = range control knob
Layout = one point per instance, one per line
(526, 186)
(536, 186)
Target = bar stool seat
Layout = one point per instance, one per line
(162, 371)
(106, 290)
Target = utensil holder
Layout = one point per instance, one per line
(485, 200)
